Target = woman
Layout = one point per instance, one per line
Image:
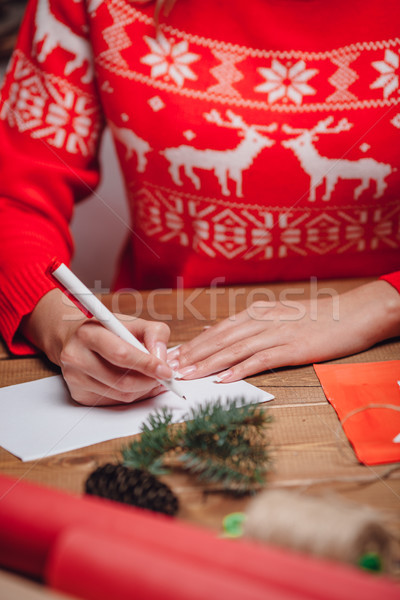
(258, 144)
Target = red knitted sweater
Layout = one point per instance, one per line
(259, 141)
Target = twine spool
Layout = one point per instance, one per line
(328, 527)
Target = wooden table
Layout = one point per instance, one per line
(310, 451)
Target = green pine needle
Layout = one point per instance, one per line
(222, 444)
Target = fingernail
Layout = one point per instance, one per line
(161, 350)
(163, 372)
(173, 363)
(187, 371)
(173, 354)
(222, 376)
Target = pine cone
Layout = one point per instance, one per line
(132, 486)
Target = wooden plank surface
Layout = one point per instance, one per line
(4, 353)
(309, 449)
(13, 587)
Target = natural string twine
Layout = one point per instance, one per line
(351, 414)
(329, 526)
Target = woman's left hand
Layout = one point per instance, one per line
(264, 337)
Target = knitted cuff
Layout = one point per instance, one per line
(393, 279)
(20, 291)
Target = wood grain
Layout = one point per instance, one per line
(310, 451)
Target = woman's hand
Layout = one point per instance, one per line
(99, 368)
(264, 337)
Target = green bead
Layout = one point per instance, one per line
(233, 524)
(371, 561)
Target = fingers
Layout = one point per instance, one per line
(116, 352)
(256, 318)
(233, 354)
(272, 358)
(101, 369)
(226, 346)
(155, 336)
(94, 377)
(88, 398)
(97, 394)
(206, 343)
(265, 337)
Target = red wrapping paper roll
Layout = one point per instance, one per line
(32, 518)
(98, 566)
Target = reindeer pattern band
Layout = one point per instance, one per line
(231, 163)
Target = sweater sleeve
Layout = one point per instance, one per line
(393, 279)
(50, 125)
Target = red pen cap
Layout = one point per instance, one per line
(52, 267)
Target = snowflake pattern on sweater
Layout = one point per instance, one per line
(50, 108)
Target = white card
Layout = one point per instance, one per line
(39, 418)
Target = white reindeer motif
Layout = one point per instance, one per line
(330, 170)
(53, 34)
(133, 144)
(224, 163)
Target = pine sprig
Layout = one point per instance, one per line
(157, 438)
(222, 444)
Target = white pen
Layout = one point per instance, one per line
(91, 306)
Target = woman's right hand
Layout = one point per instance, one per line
(98, 367)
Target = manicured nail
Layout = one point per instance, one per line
(163, 372)
(187, 371)
(174, 364)
(161, 350)
(222, 376)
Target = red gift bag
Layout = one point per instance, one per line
(366, 397)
